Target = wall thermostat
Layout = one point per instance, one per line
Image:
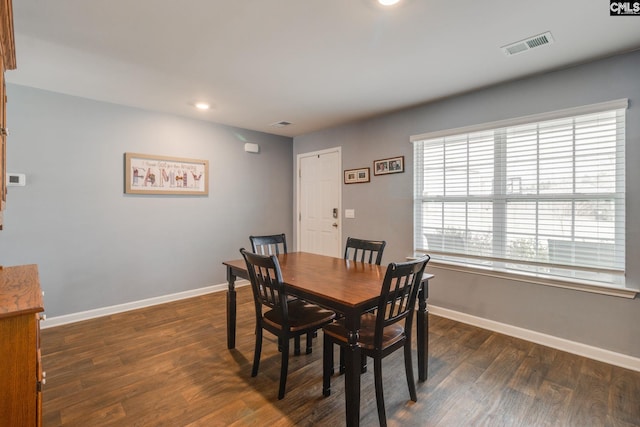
(16, 179)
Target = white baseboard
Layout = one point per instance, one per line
(580, 349)
(106, 311)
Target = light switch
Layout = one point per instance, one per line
(349, 213)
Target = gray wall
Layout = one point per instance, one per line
(384, 207)
(96, 246)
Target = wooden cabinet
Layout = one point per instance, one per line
(7, 62)
(20, 361)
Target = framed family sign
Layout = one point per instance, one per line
(356, 176)
(151, 174)
(386, 166)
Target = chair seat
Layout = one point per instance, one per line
(302, 316)
(392, 333)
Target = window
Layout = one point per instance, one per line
(543, 193)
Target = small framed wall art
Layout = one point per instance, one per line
(356, 176)
(387, 166)
(151, 174)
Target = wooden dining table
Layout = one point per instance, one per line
(345, 286)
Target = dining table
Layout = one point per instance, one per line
(348, 287)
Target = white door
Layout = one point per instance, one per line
(319, 207)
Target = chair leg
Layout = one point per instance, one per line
(310, 342)
(256, 353)
(409, 370)
(296, 345)
(342, 367)
(327, 366)
(363, 362)
(284, 367)
(377, 373)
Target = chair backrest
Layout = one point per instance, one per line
(266, 282)
(269, 245)
(364, 250)
(398, 295)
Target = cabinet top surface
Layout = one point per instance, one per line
(20, 291)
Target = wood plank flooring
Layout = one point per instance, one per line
(168, 365)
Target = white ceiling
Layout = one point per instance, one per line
(314, 63)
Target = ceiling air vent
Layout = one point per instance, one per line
(280, 124)
(527, 44)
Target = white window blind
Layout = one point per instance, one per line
(546, 193)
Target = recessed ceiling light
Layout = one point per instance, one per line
(202, 106)
(388, 2)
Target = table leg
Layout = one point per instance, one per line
(423, 331)
(352, 377)
(231, 309)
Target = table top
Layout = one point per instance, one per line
(20, 291)
(344, 282)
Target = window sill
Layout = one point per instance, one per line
(599, 283)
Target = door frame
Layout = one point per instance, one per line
(297, 217)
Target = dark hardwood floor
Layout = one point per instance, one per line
(168, 365)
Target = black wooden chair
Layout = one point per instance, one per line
(382, 333)
(284, 318)
(364, 250)
(369, 251)
(274, 244)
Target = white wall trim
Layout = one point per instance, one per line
(591, 286)
(51, 322)
(580, 349)
(602, 355)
